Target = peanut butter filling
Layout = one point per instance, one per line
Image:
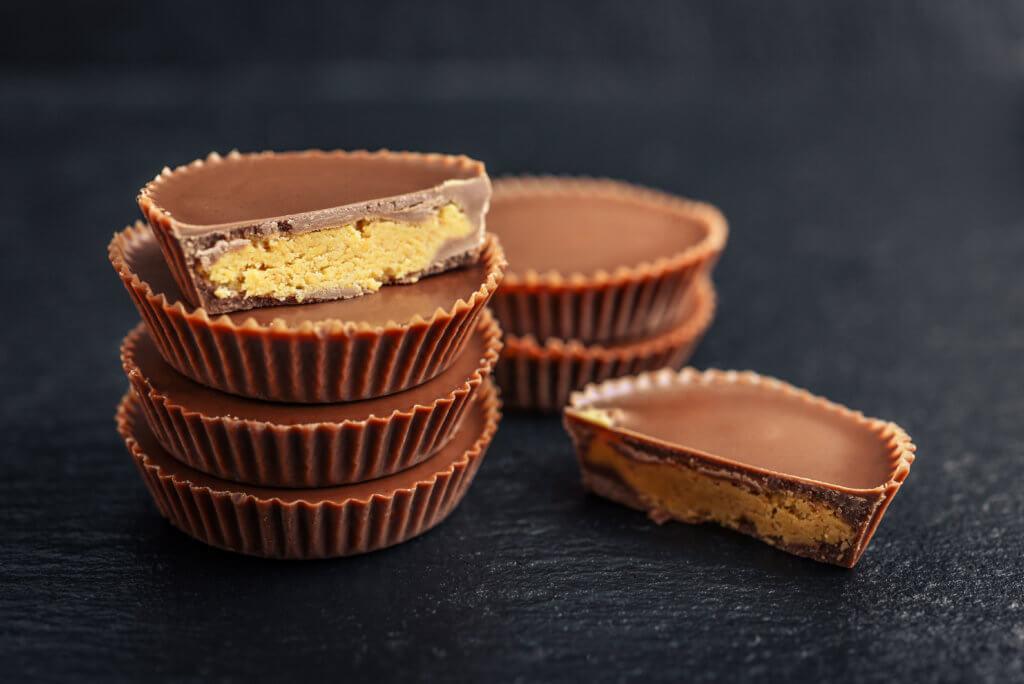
(343, 261)
(673, 490)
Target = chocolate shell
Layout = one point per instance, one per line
(541, 377)
(305, 445)
(311, 523)
(203, 210)
(342, 350)
(599, 261)
(747, 452)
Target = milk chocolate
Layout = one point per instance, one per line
(305, 445)
(599, 261)
(747, 452)
(211, 208)
(541, 377)
(340, 350)
(311, 523)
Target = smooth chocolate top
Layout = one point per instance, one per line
(398, 303)
(758, 426)
(254, 187)
(472, 428)
(198, 398)
(568, 233)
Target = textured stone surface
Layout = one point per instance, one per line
(877, 236)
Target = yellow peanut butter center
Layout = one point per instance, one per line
(347, 260)
(691, 496)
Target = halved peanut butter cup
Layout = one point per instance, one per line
(311, 523)
(598, 261)
(341, 350)
(541, 377)
(747, 452)
(308, 445)
(273, 228)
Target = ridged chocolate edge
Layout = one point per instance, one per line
(349, 362)
(612, 312)
(236, 521)
(164, 225)
(542, 377)
(630, 303)
(312, 455)
(862, 508)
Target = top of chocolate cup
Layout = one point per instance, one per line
(826, 443)
(305, 188)
(598, 261)
(565, 232)
(247, 206)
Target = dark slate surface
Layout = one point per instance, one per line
(877, 236)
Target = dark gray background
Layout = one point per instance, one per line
(869, 157)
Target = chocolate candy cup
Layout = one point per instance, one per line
(311, 523)
(311, 445)
(541, 377)
(213, 206)
(598, 261)
(747, 452)
(343, 350)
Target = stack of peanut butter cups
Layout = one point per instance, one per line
(309, 425)
(606, 279)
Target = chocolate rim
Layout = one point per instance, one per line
(631, 302)
(320, 454)
(272, 361)
(234, 519)
(901, 447)
(902, 450)
(542, 377)
(153, 211)
(166, 226)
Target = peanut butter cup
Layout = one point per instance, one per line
(333, 351)
(305, 445)
(598, 261)
(747, 452)
(541, 376)
(265, 229)
(311, 523)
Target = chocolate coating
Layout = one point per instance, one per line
(749, 453)
(397, 303)
(254, 187)
(213, 206)
(755, 426)
(183, 392)
(455, 451)
(584, 234)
